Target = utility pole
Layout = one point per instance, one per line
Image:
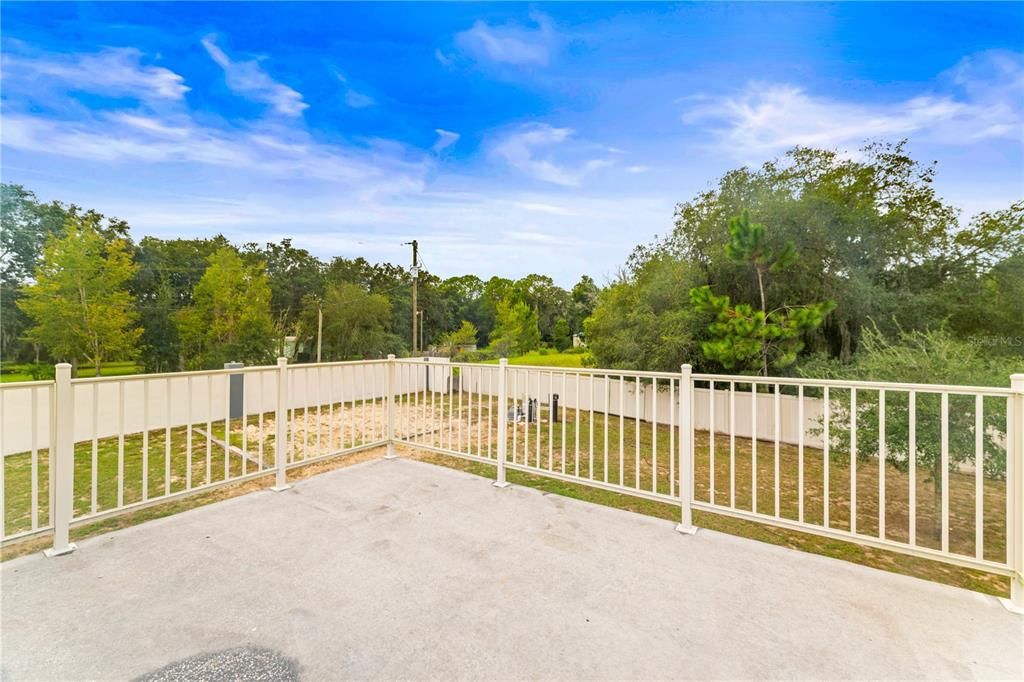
(319, 329)
(415, 280)
(421, 330)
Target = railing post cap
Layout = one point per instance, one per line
(391, 356)
(503, 361)
(1017, 380)
(282, 361)
(63, 365)
(687, 367)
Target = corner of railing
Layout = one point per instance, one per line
(63, 464)
(501, 454)
(281, 428)
(686, 442)
(1015, 494)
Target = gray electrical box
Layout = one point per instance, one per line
(236, 384)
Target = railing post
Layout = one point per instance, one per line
(281, 427)
(1015, 494)
(390, 389)
(62, 462)
(502, 422)
(686, 451)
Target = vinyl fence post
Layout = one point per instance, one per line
(502, 422)
(281, 427)
(390, 389)
(1015, 494)
(686, 451)
(62, 461)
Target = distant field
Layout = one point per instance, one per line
(110, 369)
(551, 359)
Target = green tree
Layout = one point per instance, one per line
(921, 357)
(356, 323)
(79, 303)
(516, 330)
(560, 336)
(229, 319)
(642, 322)
(169, 270)
(745, 338)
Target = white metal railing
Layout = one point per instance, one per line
(935, 471)
(123, 443)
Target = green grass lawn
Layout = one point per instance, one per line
(110, 369)
(547, 359)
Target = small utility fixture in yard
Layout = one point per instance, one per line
(934, 472)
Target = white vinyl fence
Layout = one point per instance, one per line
(928, 470)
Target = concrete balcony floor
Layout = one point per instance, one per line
(400, 569)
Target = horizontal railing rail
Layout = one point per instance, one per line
(929, 470)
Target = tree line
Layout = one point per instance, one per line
(818, 262)
(75, 287)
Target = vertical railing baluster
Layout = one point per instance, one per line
(881, 463)
(145, 439)
(853, 460)
(800, 451)
(564, 418)
(654, 435)
(912, 456)
(944, 435)
(502, 421)
(777, 404)
(686, 441)
(711, 441)
(95, 461)
(827, 408)
(753, 447)
(188, 435)
(120, 443)
(622, 427)
(167, 437)
(673, 409)
(636, 429)
(34, 444)
(979, 480)
(732, 442)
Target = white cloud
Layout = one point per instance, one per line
(637, 169)
(441, 57)
(445, 139)
(122, 137)
(509, 44)
(113, 71)
(248, 79)
(988, 102)
(529, 150)
(356, 100)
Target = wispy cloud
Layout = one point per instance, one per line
(113, 71)
(248, 79)
(510, 44)
(445, 139)
(530, 149)
(123, 137)
(356, 100)
(984, 99)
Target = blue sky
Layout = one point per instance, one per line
(507, 138)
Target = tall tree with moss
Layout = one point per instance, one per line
(79, 305)
(229, 319)
(748, 338)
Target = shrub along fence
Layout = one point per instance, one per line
(935, 471)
